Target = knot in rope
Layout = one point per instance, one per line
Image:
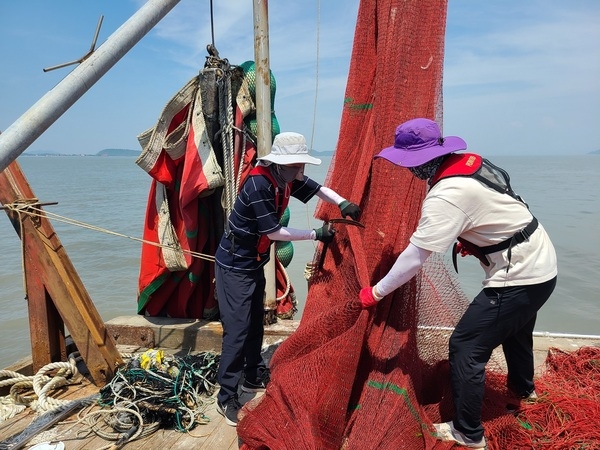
(20, 395)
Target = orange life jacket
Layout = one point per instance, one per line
(472, 165)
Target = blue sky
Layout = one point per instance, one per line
(520, 77)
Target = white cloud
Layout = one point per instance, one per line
(525, 69)
(529, 74)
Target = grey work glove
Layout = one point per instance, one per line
(349, 209)
(325, 233)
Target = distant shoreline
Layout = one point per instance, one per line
(105, 152)
(118, 152)
(135, 153)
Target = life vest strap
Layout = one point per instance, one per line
(473, 165)
(481, 252)
(517, 238)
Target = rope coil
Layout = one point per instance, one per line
(41, 383)
(150, 392)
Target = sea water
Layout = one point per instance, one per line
(111, 193)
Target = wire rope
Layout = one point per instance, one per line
(32, 210)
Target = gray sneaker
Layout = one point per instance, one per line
(447, 432)
(230, 410)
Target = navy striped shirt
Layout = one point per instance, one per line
(254, 215)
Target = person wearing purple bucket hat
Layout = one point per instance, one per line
(471, 203)
(419, 141)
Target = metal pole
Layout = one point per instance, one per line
(263, 118)
(22, 133)
(263, 76)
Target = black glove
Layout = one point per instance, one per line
(325, 233)
(349, 209)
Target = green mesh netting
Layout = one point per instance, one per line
(249, 69)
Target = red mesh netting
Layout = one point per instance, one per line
(567, 414)
(376, 379)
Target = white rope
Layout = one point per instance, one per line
(238, 179)
(34, 211)
(9, 409)
(287, 285)
(226, 119)
(115, 421)
(314, 121)
(316, 73)
(42, 385)
(13, 377)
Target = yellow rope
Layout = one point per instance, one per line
(32, 210)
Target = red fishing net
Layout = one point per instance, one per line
(347, 377)
(567, 413)
(378, 378)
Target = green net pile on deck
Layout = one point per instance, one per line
(154, 390)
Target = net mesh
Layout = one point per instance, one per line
(378, 378)
(348, 376)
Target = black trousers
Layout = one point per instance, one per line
(497, 316)
(240, 297)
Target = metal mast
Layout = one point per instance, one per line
(22, 133)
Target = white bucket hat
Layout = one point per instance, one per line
(289, 148)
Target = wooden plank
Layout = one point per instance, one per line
(73, 302)
(16, 424)
(214, 429)
(25, 418)
(70, 433)
(160, 439)
(73, 437)
(222, 437)
(219, 436)
(45, 322)
(57, 274)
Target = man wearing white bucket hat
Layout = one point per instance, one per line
(243, 251)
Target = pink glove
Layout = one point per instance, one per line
(367, 298)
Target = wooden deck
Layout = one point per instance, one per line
(136, 334)
(214, 435)
(75, 434)
(181, 337)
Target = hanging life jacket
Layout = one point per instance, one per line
(282, 198)
(481, 169)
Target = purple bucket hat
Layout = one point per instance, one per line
(419, 141)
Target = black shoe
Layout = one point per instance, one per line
(528, 396)
(230, 410)
(257, 385)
